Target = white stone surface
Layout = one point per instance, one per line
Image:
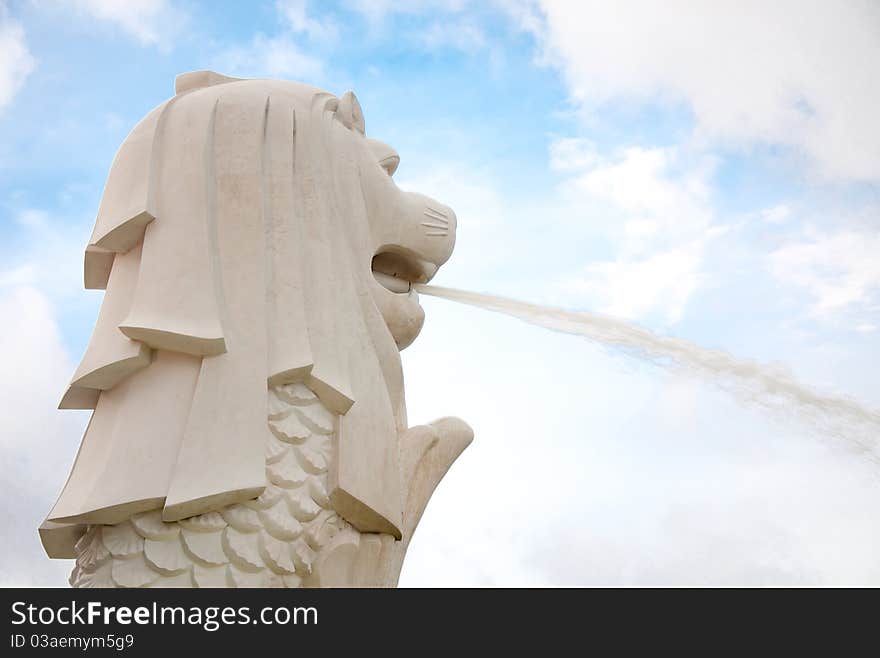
(249, 424)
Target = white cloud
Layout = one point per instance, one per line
(33, 218)
(780, 73)
(376, 11)
(461, 35)
(41, 279)
(636, 288)
(298, 18)
(652, 186)
(33, 373)
(654, 205)
(16, 61)
(38, 442)
(838, 271)
(51, 259)
(150, 22)
(272, 57)
(572, 154)
(778, 214)
(284, 55)
(445, 24)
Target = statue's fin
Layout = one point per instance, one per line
(198, 79)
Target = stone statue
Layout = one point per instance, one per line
(249, 424)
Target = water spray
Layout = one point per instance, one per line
(749, 381)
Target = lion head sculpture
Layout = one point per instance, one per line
(250, 235)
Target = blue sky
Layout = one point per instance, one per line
(710, 173)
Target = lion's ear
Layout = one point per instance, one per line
(350, 114)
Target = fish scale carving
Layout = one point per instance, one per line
(287, 537)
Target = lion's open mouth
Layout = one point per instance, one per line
(398, 270)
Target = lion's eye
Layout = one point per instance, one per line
(386, 156)
(390, 164)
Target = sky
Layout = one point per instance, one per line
(707, 170)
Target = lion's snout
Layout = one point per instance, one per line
(420, 239)
(427, 229)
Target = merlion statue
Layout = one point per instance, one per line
(249, 424)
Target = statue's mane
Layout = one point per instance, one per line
(227, 242)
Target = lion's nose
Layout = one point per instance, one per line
(426, 227)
